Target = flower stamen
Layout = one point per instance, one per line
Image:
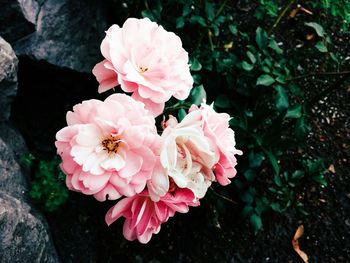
(111, 144)
(143, 69)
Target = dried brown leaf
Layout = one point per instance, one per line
(295, 243)
(331, 169)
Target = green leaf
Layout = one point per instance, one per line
(273, 44)
(180, 22)
(249, 175)
(195, 65)
(198, 20)
(301, 128)
(181, 114)
(256, 222)
(255, 159)
(222, 101)
(265, 80)
(246, 66)
(233, 29)
(251, 57)
(247, 197)
(261, 38)
(294, 112)
(318, 28)
(247, 210)
(209, 10)
(273, 161)
(186, 10)
(149, 14)
(197, 95)
(281, 100)
(321, 47)
(276, 207)
(277, 180)
(298, 174)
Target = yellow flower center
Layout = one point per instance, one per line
(142, 69)
(110, 144)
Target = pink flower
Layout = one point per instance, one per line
(143, 217)
(222, 139)
(109, 147)
(146, 60)
(186, 155)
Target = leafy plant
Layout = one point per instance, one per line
(47, 186)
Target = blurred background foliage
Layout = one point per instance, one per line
(266, 63)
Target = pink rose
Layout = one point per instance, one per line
(143, 217)
(145, 60)
(109, 147)
(222, 139)
(186, 155)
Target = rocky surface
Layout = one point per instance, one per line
(67, 33)
(24, 234)
(17, 18)
(8, 78)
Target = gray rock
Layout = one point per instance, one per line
(12, 180)
(17, 18)
(23, 233)
(68, 34)
(8, 78)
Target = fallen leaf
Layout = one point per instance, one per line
(294, 12)
(228, 46)
(295, 243)
(331, 169)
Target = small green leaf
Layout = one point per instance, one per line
(209, 10)
(261, 37)
(301, 128)
(277, 180)
(222, 101)
(197, 95)
(195, 65)
(265, 80)
(255, 220)
(318, 28)
(247, 210)
(181, 114)
(298, 174)
(249, 175)
(246, 66)
(255, 159)
(233, 29)
(321, 47)
(276, 207)
(198, 20)
(294, 112)
(180, 22)
(149, 14)
(273, 44)
(247, 197)
(251, 57)
(281, 100)
(273, 161)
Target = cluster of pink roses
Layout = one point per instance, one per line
(112, 149)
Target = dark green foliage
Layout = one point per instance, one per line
(258, 73)
(48, 187)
